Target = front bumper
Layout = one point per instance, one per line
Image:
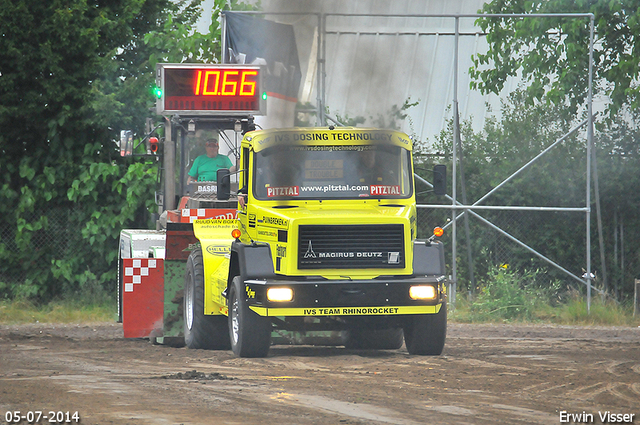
(377, 297)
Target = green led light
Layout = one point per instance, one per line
(264, 95)
(157, 92)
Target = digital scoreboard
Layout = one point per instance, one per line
(210, 89)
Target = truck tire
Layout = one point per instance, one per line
(425, 334)
(374, 339)
(250, 333)
(200, 330)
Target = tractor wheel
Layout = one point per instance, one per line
(249, 332)
(376, 339)
(200, 330)
(425, 334)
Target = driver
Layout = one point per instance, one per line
(206, 166)
(371, 170)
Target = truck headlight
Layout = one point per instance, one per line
(423, 292)
(279, 294)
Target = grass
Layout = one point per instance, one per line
(503, 297)
(602, 312)
(89, 303)
(22, 311)
(574, 312)
(509, 297)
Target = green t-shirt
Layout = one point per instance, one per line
(204, 169)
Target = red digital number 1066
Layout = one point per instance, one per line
(225, 83)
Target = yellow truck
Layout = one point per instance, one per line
(325, 240)
(312, 240)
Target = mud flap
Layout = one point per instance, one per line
(215, 239)
(254, 262)
(428, 259)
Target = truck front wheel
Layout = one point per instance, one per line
(249, 332)
(200, 330)
(425, 334)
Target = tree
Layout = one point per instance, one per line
(73, 73)
(555, 180)
(552, 54)
(69, 72)
(496, 152)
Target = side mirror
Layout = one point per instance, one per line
(223, 177)
(440, 179)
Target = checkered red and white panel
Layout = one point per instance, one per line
(142, 296)
(138, 269)
(191, 214)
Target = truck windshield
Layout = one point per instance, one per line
(330, 172)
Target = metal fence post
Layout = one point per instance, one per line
(636, 297)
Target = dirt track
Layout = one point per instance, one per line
(487, 375)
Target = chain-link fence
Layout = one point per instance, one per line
(558, 236)
(29, 254)
(32, 245)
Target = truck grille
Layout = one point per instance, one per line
(360, 246)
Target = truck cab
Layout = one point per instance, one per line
(325, 240)
(312, 238)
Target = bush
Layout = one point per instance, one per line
(508, 296)
(67, 241)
